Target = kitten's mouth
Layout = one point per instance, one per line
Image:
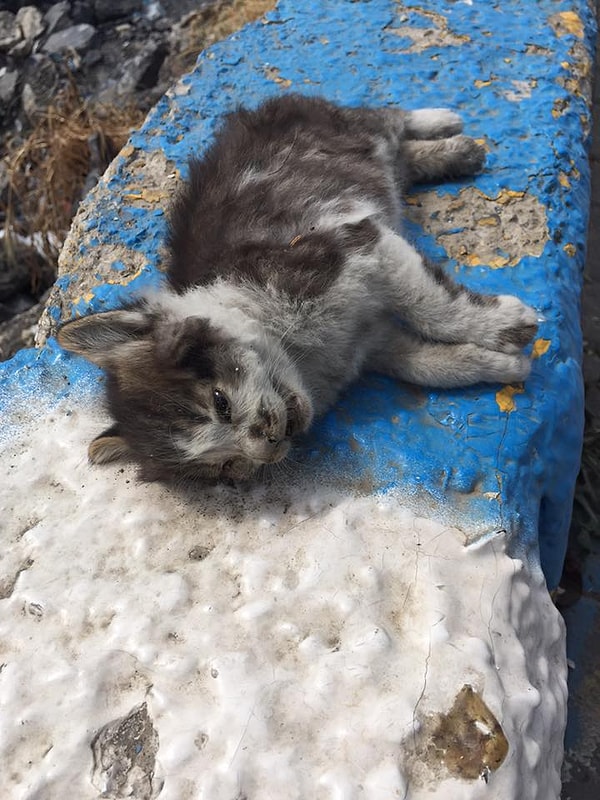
(271, 453)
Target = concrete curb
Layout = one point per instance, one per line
(494, 464)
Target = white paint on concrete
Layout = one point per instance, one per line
(286, 646)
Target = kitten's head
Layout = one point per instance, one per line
(187, 399)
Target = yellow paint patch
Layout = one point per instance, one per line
(569, 22)
(493, 221)
(540, 347)
(564, 180)
(491, 495)
(147, 195)
(479, 84)
(570, 249)
(505, 397)
(499, 261)
(506, 195)
(272, 74)
(123, 280)
(127, 151)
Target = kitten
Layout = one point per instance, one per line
(287, 277)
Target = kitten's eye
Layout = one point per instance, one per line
(222, 407)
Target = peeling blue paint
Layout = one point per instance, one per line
(457, 451)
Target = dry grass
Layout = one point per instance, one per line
(73, 141)
(48, 171)
(205, 27)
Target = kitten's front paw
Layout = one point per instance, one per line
(238, 469)
(516, 325)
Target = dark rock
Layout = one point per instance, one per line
(138, 74)
(21, 49)
(40, 83)
(91, 58)
(161, 24)
(154, 12)
(57, 18)
(82, 12)
(24, 269)
(31, 22)
(14, 273)
(125, 757)
(147, 65)
(10, 32)
(8, 85)
(76, 37)
(107, 9)
(19, 329)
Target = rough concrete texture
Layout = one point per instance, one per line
(475, 229)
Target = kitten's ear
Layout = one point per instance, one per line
(109, 446)
(95, 337)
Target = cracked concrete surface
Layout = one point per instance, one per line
(435, 31)
(476, 229)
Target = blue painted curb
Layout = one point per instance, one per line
(487, 458)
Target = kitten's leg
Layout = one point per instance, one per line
(431, 123)
(445, 366)
(441, 310)
(432, 160)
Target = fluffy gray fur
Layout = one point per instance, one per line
(287, 278)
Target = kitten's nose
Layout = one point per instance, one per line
(268, 425)
(264, 432)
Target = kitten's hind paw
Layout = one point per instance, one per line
(516, 370)
(504, 368)
(467, 156)
(432, 123)
(516, 323)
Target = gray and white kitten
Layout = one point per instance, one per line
(287, 277)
